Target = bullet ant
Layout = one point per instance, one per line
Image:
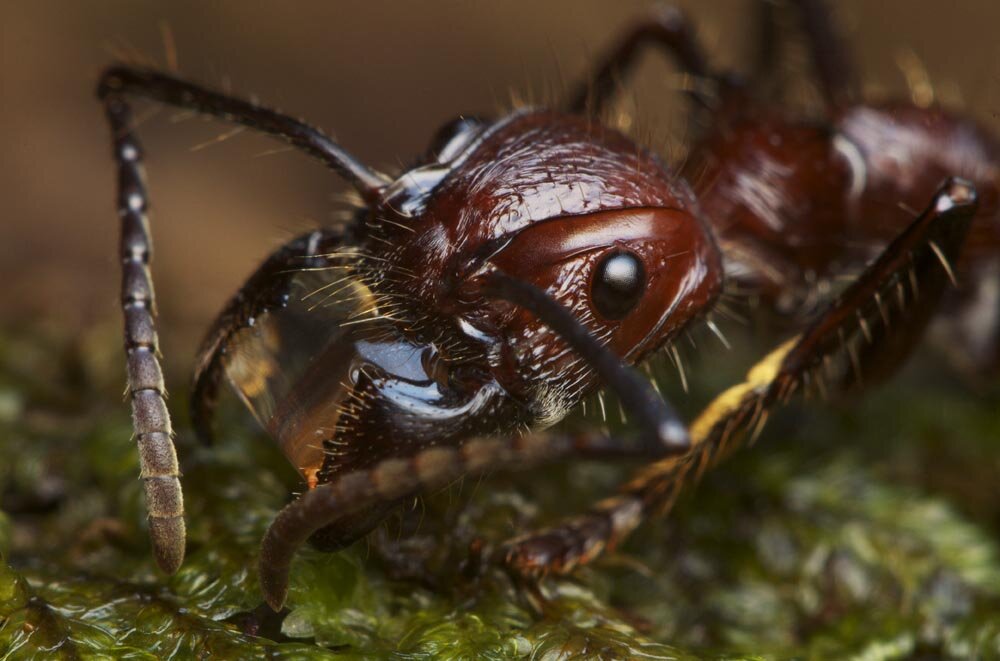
(523, 262)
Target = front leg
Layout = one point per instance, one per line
(266, 290)
(432, 468)
(910, 276)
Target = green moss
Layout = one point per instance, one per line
(862, 531)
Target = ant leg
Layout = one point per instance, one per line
(669, 29)
(151, 418)
(393, 479)
(919, 259)
(829, 54)
(767, 76)
(767, 47)
(265, 290)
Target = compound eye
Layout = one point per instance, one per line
(618, 284)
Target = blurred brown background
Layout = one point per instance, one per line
(381, 76)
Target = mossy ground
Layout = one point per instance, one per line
(866, 530)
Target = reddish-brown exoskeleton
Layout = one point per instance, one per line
(794, 201)
(523, 262)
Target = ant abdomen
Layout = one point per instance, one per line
(901, 150)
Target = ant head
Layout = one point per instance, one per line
(563, 203)
(633, 277)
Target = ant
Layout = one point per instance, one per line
(523, 262)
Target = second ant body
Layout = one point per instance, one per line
(525, 261)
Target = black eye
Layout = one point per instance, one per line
(619, 282)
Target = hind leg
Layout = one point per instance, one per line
(830, 58)
(669, 30)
